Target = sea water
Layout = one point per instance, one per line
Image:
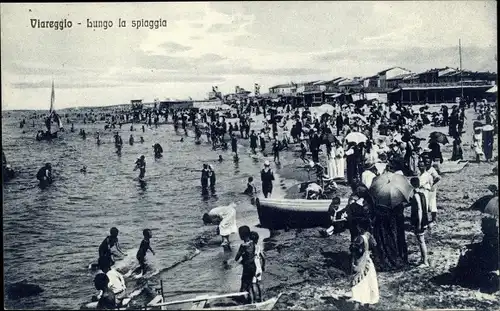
(52, 235)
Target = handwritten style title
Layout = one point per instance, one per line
(98, 24)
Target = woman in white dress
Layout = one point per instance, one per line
(364, 284)
(339, 160)
(332, 166)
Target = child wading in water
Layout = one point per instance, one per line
(364, 285)
(143, 249)
(260, 264)
(247, 254)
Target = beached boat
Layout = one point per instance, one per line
(201, 303)
(279, 214)
(265, 305)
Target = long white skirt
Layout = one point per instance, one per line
(432, 201)
(366, 291)
(340, 167)
(332, 168)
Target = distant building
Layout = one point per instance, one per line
(389, 73)
(286, 89)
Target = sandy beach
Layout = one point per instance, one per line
(309, 269)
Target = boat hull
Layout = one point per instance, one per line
(276, 214)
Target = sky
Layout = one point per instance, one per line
(228, 44)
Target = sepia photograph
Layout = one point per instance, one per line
(254, 155)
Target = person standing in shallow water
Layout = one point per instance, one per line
(212, 177)
(141, 165)
(267, 177)
(204, 177)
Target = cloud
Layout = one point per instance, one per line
(222, 27)
(231, 43)
(48, 84)
(174, 47)
(211, 57)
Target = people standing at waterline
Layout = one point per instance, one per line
(141, 165)
(225, 217)
(205, 173)
(267, 177)
(212, 177)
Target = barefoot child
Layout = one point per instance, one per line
(260, 264)
(143, 249)
(247, 254)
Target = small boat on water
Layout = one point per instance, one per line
(50, 120)
(276, 214)
(201, 303)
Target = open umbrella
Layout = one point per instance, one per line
(488, 128)
(356, 137)
(492, 207)
(439, 137)
(390, 190)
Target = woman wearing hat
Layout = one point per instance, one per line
(267, 177)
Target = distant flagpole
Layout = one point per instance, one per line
(460, 54)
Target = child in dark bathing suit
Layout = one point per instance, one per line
(247, 254)
(108, 243)
(143, 249)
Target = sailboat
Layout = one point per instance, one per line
(52, 121)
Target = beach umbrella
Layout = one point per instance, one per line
(488, 128)
(390, 190)
(492, 207)
(439, 137)
(356, 137)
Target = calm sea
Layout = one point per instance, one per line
(51, 235)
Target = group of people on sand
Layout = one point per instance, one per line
(109, 282)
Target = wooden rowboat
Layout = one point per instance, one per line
(279, 214)
(200, 302)
(265, 305)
